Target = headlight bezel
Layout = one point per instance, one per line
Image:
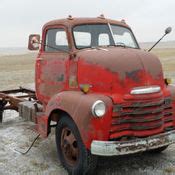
(95, 108)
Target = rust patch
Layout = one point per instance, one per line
(60, 77)
(134, 75)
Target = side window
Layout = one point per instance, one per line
(56, 40)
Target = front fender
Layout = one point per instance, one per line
(78, 106)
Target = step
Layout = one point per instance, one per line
(42, 124)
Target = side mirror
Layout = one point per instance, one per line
(34, 41)
(168, 30)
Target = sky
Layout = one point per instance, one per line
(147, 18)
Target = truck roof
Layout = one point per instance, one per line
(70, 21)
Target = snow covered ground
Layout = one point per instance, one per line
(17, 134)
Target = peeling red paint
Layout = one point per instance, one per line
(111, 74)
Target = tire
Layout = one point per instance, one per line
(2, 104)
(158, 150)
(1, 116)
(74, 156)
(1, 111)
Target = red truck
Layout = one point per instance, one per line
(104, 95)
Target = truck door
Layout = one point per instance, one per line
(52, 63)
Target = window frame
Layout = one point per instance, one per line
(74, 42)
(133, 36)
(45, 36)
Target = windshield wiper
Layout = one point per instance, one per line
(120, 44)
(85, 47)
(117, 45)
(123, 45)
(92, 47)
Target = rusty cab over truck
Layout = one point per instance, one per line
(106, 96)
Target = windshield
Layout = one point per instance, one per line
(99, 35)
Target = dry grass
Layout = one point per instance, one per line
(164, 53)
(17, 62)
(167, 58)
(16, 70)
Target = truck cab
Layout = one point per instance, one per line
(107, 96)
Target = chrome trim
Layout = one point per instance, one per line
(93, 108)
(113, 148)
(145, 90)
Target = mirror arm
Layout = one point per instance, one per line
(157, 42)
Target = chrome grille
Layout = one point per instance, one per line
(137, 116)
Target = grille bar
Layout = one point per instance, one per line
(142, 111)
(138, 104)
(129, 119)
(136, 126)
(140, 116)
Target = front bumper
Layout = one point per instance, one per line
(113, 148)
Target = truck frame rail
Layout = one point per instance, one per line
(10, 99)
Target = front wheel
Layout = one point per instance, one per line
(72, 153)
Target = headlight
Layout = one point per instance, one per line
(98, 108)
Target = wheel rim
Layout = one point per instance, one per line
(69, 146)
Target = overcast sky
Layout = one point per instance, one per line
(147, 18)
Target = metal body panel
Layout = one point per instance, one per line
(118, 69)
(78, 105)
(51, 76)
(77, 21)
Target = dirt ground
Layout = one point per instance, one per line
(16, 134)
